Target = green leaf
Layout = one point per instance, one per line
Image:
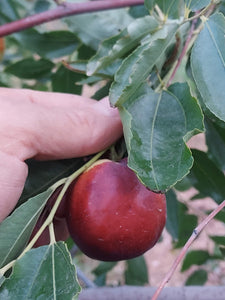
(138, 11)
(8, 11)
(43, 273)
(51, 44)
(16, 229)
(169, 8)
(149, 4)
(102, 92)
(195, 5)
(117, 46)
(198, 277)
(206, 177)
(95, 27)
(220, 216)
(30, 68)
(2, 279)
(195, 257)
(187, 224)
(64, 81)
(137, 67)
(155, 127)
(104, 267)
(172, 219)
(101, 272)
(41, 5)
(136, 272)
(43, 174)
(220, 240)
(215, 140)
(208, 64)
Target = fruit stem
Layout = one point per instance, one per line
(52, 233)
(6, 267)
(50, 217)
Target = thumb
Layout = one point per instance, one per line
(76, 129)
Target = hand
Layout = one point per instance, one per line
(46, 126)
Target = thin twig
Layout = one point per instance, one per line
(63, 10)
(184, 250)
(183, 52)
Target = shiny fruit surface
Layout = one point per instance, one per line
(111, 215)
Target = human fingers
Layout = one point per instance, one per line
(76, 129)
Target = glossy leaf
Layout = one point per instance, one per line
(195, 257)
(16, 229)
(206, 177)
(42, 273)
(155, 127)
(172, 218)
(30, 68)
(208, 64)
(136, 272)
(195, 5)
(117, 46)
(198, 277)
(137, 67)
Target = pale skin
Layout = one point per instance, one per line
(47, 126)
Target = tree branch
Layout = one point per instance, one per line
(184, 250)
(64, 10)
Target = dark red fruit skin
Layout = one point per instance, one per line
(112, 216)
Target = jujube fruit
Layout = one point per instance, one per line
(111, 215)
